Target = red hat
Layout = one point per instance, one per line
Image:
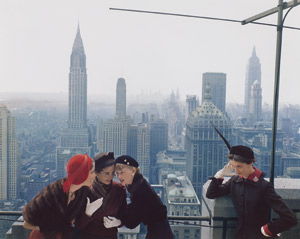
(78, 169)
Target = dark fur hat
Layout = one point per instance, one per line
(104, 160)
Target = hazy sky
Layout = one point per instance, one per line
(152, 52)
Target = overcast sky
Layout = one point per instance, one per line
(152, 52)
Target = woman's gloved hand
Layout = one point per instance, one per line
(226, 171)
(111, 222)
(266, 232)
(93, 207)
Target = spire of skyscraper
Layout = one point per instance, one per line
(78, 44)
(254, 52)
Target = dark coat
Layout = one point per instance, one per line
(146, 207)
(252, 201)
(50, 211)
(114, 204)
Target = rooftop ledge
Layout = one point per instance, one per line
(218, 215)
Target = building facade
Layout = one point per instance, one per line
(143, 148)
(121, 98)
(192, 102)
(182, 200)
(158, 143)
(255, 101)
(205, 150)
(9, 156)
(115, 135)
(217, 83)
(253, 73)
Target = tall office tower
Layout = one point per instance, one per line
(115, 135)
(75, 139)
(206, 151)
(158, 143)
(192, 102)
(217, 83)
(253, 73)
(255, 101)
(143, 148)
(9, 156)
(121, 98)
(132, 141)
(99, 134)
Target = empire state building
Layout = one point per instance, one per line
(75, 139)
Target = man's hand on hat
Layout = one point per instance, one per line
(226, 171)
(111, 222)
(93, 207)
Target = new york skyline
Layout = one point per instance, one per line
(152, 52)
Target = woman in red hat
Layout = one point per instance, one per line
(51, 213)
(114, 200)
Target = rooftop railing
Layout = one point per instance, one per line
(218, 216)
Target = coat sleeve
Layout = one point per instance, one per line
(123, 203)
(82, 220)
(217, 188)
(287, 218)
(132, 216)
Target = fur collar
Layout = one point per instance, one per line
(138, 179)
(102, 190)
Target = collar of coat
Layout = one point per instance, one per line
(138, 179)
(253, 178)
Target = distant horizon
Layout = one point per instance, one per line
(108, 98)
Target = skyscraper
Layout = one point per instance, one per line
(255, 101)
(192, 102)
(206, 151)
(116, 131)
(115, 135)
(121, 98)
(75, 139)
(143, 148)
(132, 141)
(217, 83)
(253, 73)
(158, 143)
(9, 156)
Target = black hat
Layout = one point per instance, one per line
(241, 150)
(103, 160)
(127, 160)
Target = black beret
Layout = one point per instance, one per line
(127, 160)
(103, 160)
(243, 151)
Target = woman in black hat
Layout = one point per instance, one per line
(145, 205)
(114, 200)
(252, 196)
